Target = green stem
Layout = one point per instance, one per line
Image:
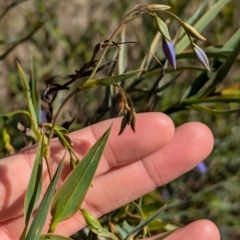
(58, 112)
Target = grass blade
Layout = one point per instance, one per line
(233, 40)
(41, 215)
(146, 221)
(28, 97)
(35, 183)
(122, 63)
(71, 194)
(110, 80)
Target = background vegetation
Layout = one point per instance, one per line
(60, 37)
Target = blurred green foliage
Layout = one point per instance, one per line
(56, 37)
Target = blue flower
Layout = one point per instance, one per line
(166, 195)
(43, 116)
(169, 51)
(202, 168)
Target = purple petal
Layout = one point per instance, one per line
(202, 168)
(169, 51)
(43, 115)
(166, 194)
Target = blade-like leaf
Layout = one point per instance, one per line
(196, 85)
(51, 236)
(213, 111)
(41, 215)
(35, 183)
(122, 62)
(110, 80)
(33, 86)
(146, 221)
(27, 94)
(233, 40)
(71, 194)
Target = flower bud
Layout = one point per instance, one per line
(193, 32)
(169, 51)
(201, 55)
(157, 7)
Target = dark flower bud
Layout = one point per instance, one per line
(169, 51)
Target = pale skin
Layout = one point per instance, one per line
(133, 165)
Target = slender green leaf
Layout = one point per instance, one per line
(213, 111)
(33, 87)
(41, 215)
(146, 221)
(232, 42)
(202, 23)
(71, 194)
(122, 61)
(27, 94)
(51, 236)
(191, 101)
(196, 85)
(35, 183)
(110, 80)
(140, 210)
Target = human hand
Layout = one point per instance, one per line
(133, 165)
